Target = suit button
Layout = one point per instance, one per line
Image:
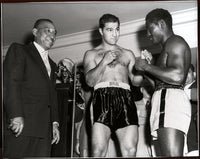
(48, 106)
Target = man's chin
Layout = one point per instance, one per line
(114, 43)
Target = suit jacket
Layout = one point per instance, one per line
(193, 99)
(29, 91)
(193, 88)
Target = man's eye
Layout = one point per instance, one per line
(109, 29)
(48, 31)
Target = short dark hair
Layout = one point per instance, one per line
(107, 18)
(39, 21)
(157, 14)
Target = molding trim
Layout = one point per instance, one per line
(132, 27)
(179, 17)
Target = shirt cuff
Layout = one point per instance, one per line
(56, 123)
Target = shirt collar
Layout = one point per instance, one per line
(39, 48)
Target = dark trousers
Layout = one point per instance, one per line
(25, 146)
(192, 136)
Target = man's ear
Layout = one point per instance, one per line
(34, 31)
(162, 24)
(100, 31)
(141, 89)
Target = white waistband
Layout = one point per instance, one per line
(112, 84)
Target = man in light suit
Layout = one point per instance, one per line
(30, 102)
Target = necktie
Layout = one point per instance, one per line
(46, 62)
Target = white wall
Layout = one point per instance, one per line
(74, 46)
(132, 37)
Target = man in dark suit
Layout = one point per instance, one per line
(191, 90)
(30, 102)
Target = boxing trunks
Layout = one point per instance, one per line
(170, 108)
(113, 105)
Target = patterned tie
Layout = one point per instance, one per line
(46, 62)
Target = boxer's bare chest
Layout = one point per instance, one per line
(120, 61)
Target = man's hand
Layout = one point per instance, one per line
(77, 147)
(109, 57)
(140, 64)
(56, 133)
(147, 56)
(17, 125)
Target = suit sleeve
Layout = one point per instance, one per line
(55, 117)
(14, 66)
(54, 114)
(194, 91)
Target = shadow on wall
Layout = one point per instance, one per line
(145, 43)
(95, 37)
(28, 38)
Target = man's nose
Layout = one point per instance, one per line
(115, 33)
(52, 36)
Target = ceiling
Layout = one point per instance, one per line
(73, 17)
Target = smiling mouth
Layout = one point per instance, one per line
(50, 41)
(114, 39)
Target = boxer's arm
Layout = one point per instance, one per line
(136, 77)
(93, 72)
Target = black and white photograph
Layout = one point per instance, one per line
(106, 79)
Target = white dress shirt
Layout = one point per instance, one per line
(188, 90)
(44, 55)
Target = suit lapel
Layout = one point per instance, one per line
(52, 75)
(36, 55)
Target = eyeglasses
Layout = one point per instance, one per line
(49, 31)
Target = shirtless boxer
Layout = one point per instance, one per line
(171, 109)
(108, 69)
